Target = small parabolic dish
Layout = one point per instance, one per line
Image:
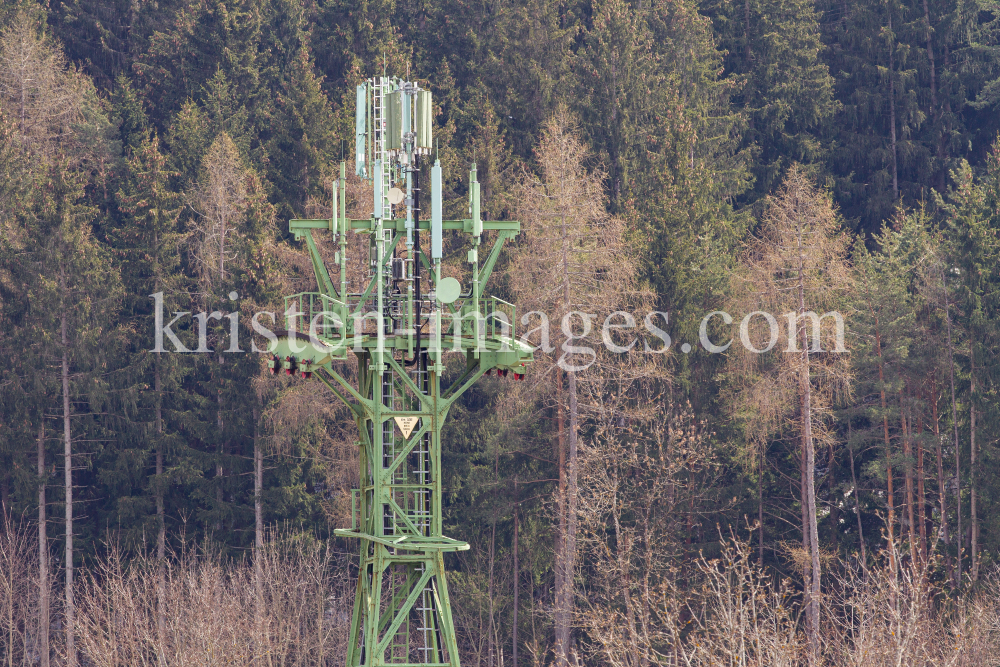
(395, 196)
(448, 289)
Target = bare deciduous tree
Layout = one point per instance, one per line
(37, 89)
(211, 615)
(795, 268)
(219, 201)
(641, 472)
(16, 600)
(571, 260)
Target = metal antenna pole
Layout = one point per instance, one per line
(400, 331)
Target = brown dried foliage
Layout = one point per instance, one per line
(212, 611)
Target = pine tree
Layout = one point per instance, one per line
(75, 292)
(939, 64)
(23, 387)
(863, 159)
(687, 168)
(971, 247)
(519, 58)
(974, 222)
(127, 107)
(227, 244)
(146, 244)
(101, 36)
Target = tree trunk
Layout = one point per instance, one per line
(890, 500)
(973, 472)
(564, 570)
(70, 612)
(945, 536)
(857, 500)
(892, 112)
(921, 492)
(516, 574)
(219, 470)
(908, 481)
(622, 549)
(806, 547)
(935, 110)
(954, 425)
(5, 499)
(746, 29)
(760, 507)
(258, 514)
(648, 518)
(809, 453)
(161, 529)
(945, 111)
(561, 497)
(491, 644)
(222, 248)
(564, 595)
(44, 620)
(571, 508)
(831, 483)
(890, 494)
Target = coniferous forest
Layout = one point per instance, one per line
(679, 167)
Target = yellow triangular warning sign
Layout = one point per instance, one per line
(406, 425)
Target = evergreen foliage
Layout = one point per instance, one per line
(151, 154)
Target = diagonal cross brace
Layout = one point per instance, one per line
(319, 268)
(403, 613)
(362, 402)
(401, 456)
(398, 511)
(402, 375)
(397, 599)
(487, 269)
(371, 284)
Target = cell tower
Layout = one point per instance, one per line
(399, 324)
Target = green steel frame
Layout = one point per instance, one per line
(399, 335)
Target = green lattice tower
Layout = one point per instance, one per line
(399, 324)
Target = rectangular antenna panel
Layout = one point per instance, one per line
(425, 119)
(407, 114)
(477, 221)
(360, 121)
(377, 209)
(334, 221)
(394, 121)
(437, 212)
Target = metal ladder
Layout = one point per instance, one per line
(383, 86)
(425, 608)
(426, 625)
(388, 446)
(421, 453)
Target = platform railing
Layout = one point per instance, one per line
(328, 314)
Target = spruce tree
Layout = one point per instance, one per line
(788, 90)
(884, 364)
(302, 143)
